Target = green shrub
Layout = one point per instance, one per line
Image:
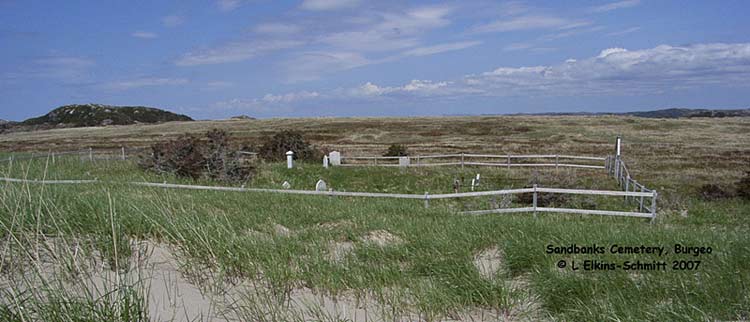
(712, 191)
(189, 156)
(743, 186)
(275, 147)
(396, 150)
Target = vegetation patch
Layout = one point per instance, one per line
(190, 156)
(79, 115)
(275, 147)
(396, 150)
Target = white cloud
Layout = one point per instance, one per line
(312, 65)
(268, 103)
(276, 28)
(614, 71)
(381, 37)
(144, 82)
(61, 68)
(369, 40)
(615, 5)
(414, 88)
(228, 5)
(218, 84)
(624, 32)
(234, 52)
(392, 31)
(172, 20)
(529, 22)
(144, 35)
(431, 50)
(618, 70)
(321, 5)
(290, 97)
(518, 46)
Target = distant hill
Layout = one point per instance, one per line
(670, 113)
(242, 117)
(80, 115)
(687, 112)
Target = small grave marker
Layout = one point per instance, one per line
(325, 161)
(334, 158)
(286, 185)
(321, 186)
(289, 161)
(403, 162)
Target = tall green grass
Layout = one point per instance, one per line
(229, 237)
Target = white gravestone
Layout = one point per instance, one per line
(477, 179)
(286, 185)
(321, 186)
(334, 158)
(473, 184)
(403, 162)
(325, 161)
(289, 157)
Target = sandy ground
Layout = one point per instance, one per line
(173, 296)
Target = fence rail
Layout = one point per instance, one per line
(426, 197)
(417, 161)
(632, 190)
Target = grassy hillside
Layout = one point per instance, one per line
(80, 115)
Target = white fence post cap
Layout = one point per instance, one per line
(289, 152)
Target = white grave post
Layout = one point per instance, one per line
(403, 162)
(473, 183)
(286, 185)
(321, 186)
(289, 157)
(325, 161)
(334, 158)
(477, 179)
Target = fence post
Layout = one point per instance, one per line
(557, 161)
(418, 160)
(653, 206)
(534, 200)
(123, 152)
(640, 204)
(508, 161)
(462, 160)
(617, 169)
(627, 186)
(91, 154)
(426, 199)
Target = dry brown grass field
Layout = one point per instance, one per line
(675, 153)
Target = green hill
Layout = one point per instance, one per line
(80, 115)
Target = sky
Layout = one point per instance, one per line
(263, 58)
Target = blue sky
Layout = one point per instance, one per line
(215, 59)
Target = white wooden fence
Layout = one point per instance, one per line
(89, 154)
(471, 159)
(633, 191)
(616, 168)
(426, 197)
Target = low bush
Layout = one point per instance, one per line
(743, 186)
(275, 147)
(712, 191)
(553, 180)
(396, 150)
(190, 156)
